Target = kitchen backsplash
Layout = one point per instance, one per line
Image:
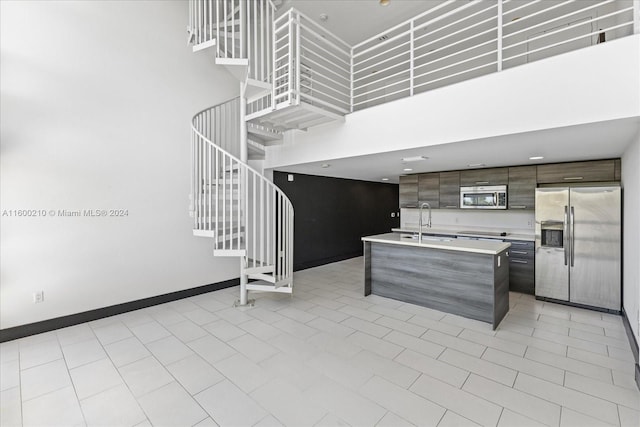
(508, 220)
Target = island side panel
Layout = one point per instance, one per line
(367, 268)
(455, 282)
(501, 290)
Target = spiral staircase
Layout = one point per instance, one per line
(239, 209)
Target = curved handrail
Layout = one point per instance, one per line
(234, 203)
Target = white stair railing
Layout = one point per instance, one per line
(245, 213)
(239, 29)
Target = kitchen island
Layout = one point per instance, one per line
(469, 278)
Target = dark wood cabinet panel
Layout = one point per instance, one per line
(449, 190)
(429, 189)
(592, 171)
(522, 187)
(491, 176)
(409, 191)
(522, 267)
(617, 170)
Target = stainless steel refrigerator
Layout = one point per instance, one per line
(578, 245)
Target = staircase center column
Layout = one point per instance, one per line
(244, 279)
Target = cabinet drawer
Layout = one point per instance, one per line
(593, 171)
(522, 275)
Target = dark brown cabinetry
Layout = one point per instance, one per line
(522, 267)
(409, 191)
(593, 171)
(429, 189)
(491, 176)
(449, 190)
(522, 187)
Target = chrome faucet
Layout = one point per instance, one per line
(420, 222)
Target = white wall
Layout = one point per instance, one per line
(96, 99)
(584, 86)
(631, 233)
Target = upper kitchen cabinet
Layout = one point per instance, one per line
(449, 190)
(429, 189)
(593, 171)
(522, 187)
(491, 176)
(409, 191)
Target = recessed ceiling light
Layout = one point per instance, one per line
(414, 159)
(384, 2)
(476, 165)
(407, 169)
(536, 157)
(325, 165)
(385, 179)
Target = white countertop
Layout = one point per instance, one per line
(468, 232)
(476, 246)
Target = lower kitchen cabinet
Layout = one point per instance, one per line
(522, 267)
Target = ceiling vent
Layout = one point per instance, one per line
(383, 37)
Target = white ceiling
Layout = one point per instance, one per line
(357, 20)
(585, 142)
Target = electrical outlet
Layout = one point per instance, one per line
(530, 223)
(38, 297)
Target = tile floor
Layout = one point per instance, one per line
(326, 357)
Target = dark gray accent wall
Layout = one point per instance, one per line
(333, 214)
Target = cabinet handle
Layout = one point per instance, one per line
(518, 261)
(517, 207)
(572, 178)
(520, 243)
(451, 206)
(484, 182)
(409, 206)
(520, 252)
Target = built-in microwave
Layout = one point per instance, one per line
(488, 197)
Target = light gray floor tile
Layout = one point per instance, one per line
(346, 404)
(417, 344)
(330, 327)
(469, 324)
(167, 316)
(38, 353)
(296, 329)
(144, 376)
(481, 367)
(171, 405)
(334, 345)
(329, 314)
(287, 404)
(260, 329)
(200, 316)
(390, 370)
(392, 420)
(574, 419)
(149, 332)
(224, 330)
(292, 370)
(168, 350)
(331, 420)
(402, 402)
(294, 346)
(83, 352)
(243, 372)
(211, 349)
(194, 374)
(94, 378)
(429, 323)
(43, 379)
(520, 364)
(628, 417)
(126, 351)
(360, 313)
(572, 342)
(620, 343)
(58, 408)
(600, 360)
(297, 314)
(75, 334)
(437, 369)
(186, 331)
(459, 401)
(530, 341)
(339, 370)
(538, 409)
(9, 351)
(451, 419)
(9, 374)
(252, 347)
(456, 343)
(375, 345)
(571, 365)
(399, 325)
(390, 312)
(511, 419)
(112, 332)
(493, 342)
(229, 406)
(10, 407)
(577, 401)
(113, 407)
(572, 325)
(612, 393)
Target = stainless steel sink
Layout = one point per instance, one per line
(428, 238)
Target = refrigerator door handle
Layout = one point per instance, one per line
(572, 236)
(565, 235)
